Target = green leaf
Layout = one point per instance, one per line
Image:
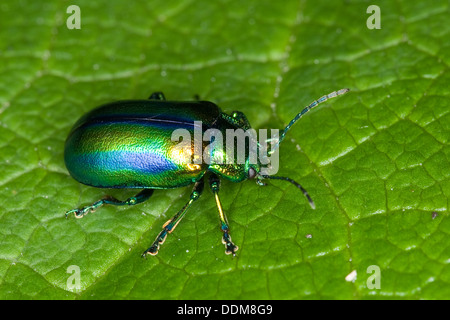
(376, 161)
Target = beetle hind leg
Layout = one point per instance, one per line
(171, 224)
(230, 247)
(140, 197)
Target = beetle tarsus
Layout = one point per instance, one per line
(230, 247)
(78, 213)
(154, 248)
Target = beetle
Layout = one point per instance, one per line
(129, 144)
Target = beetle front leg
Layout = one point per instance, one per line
(171, 224)
(140, 197)
(230, 247)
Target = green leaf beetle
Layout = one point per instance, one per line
(129, 144)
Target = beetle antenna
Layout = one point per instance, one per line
(298, 116)
(311, 202)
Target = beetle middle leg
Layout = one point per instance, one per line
(170, 225)
(140, 197)
(230, 247)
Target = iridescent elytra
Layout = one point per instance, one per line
(128, 144)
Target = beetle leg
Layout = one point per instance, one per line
(230, 247)
(237, 118)
(171, 224)
(140, 197)
(157, 96)
(242, 119)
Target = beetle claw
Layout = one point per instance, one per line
(230, 247)
(74, 211)
(79, 213)
(231, 250)
(153, 250)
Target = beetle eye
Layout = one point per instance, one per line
(251, 173)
